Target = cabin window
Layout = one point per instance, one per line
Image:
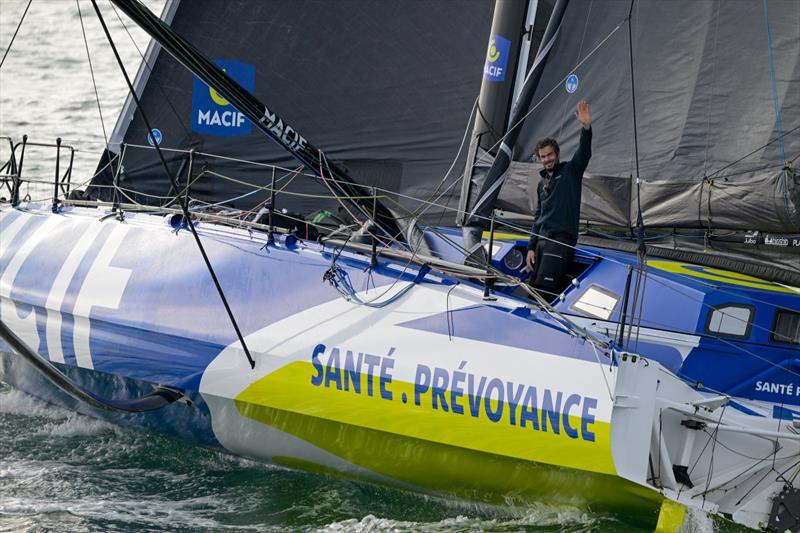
(787, 327)
(596, 302)
(734, 320)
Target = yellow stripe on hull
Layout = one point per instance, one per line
(470, 457)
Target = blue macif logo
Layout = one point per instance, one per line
(211, 113)
(497, 59)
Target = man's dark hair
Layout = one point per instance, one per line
(544, 143)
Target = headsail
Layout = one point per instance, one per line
(388, 105)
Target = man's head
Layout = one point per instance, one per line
(547, 152)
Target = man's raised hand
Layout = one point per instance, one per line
(583, 115)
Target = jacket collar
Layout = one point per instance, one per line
(543, 172)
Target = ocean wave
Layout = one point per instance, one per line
(539, 519)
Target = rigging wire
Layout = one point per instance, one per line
(325, 182)
(745, 456)
(731, 344)
(475, 107)
(432, 203)
(753, 169)
(91, 71)
(527, 230)
(713, 450)
(11, 43)
(155, 80)
(775, 100)
(767, 144)
(735, 346)
(186, 213)
(218, 156)
(482, 158)
(642, 251)
(767, 473)
(565, 107)
(686, 279)
(711, 87)
(261, 205)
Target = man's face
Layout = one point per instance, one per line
(549, 158)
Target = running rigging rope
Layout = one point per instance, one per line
(333, 179)
(265, 120)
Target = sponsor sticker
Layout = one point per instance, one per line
(497, 58)
(571, 85)
(214, 115)
(154, 137)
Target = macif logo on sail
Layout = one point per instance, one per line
(497, 59)
(211, 113)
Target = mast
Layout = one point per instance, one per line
(482, 207)
(266, 120)
(500, 72)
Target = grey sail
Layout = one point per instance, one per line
(718, 123)
(389, 106)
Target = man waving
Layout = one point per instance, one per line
(555, 227)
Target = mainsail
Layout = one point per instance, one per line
(717, 103)
(389, 106)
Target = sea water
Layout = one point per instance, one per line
(60, 471)
(63, 472)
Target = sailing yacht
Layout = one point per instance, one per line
(268, 259)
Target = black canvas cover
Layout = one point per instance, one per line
(384, 88)
(716, 89)
(716, 83)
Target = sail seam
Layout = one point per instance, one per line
(775, 102)
(778, 125)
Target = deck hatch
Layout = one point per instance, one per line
(734, 320)
(596, 302)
